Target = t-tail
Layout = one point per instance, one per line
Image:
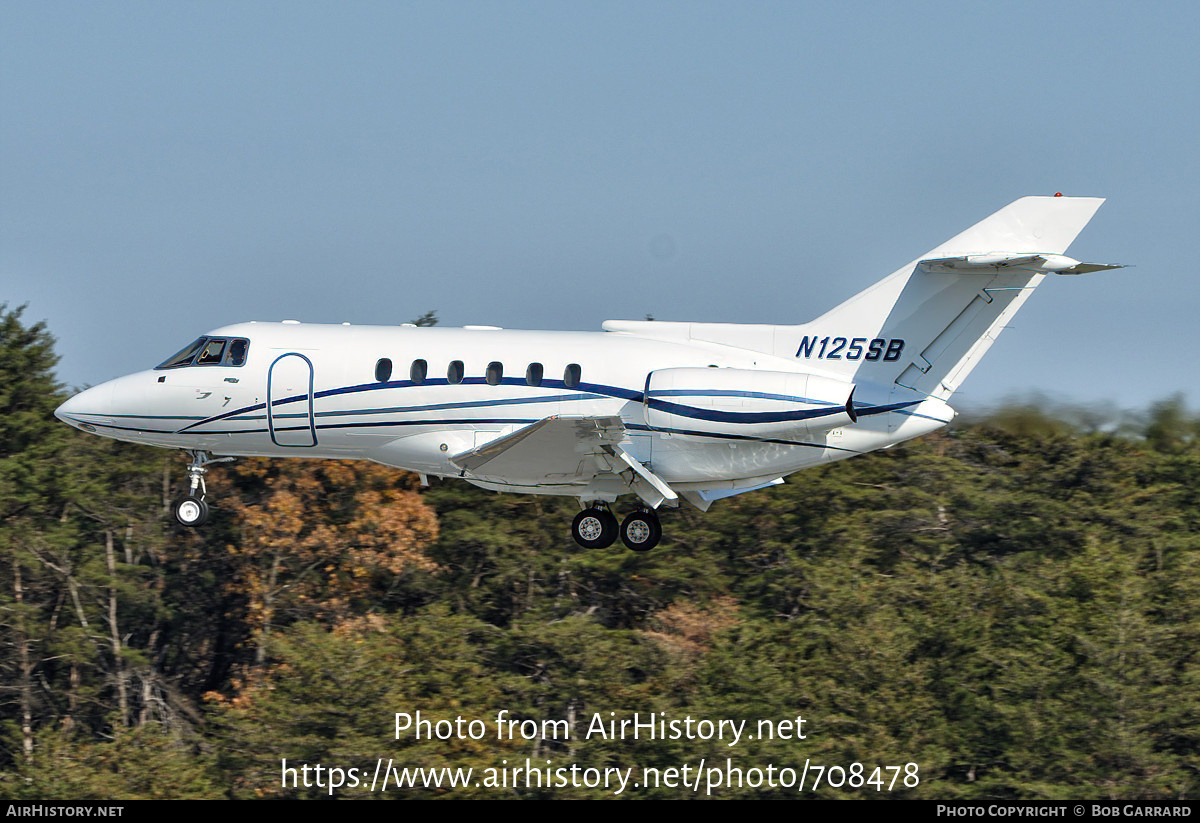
(927, 325)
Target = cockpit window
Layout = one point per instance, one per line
(210, 351)
(184, 356)
(237, 352)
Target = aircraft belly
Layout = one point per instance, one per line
(607, 488)
(428, 452)
(677, 460)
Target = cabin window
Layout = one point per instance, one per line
(418, 372)
(533, 375)
(454, 374)
(383, 370)
(494, 373)
(571, 376)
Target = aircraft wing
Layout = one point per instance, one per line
(560, 450)
(556, 449)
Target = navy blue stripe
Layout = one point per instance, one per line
(120, 428)
(151, 416)
(430, 407)
(594, 388)
(734, 393)
(466, 421)
(597, 389)
(464, 405)
(869, 410)
(234, 413)
(477, 421)
(740, 417)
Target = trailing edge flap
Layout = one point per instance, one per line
(994, 262)
(558, 449)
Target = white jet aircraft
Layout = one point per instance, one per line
(660, 412)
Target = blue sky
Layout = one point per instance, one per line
(166, 168)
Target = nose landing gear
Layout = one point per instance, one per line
(192, 511)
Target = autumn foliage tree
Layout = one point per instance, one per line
(318, 539)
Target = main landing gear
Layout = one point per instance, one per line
(192, 510)
(596, 528)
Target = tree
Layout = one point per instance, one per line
(320, 539)
(30, 437)
(30, 440)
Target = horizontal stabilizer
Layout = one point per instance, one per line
(1087, 268)
(994, 262)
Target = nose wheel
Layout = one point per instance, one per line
(192, 511)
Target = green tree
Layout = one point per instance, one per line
(30, 478)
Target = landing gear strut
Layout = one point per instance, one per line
(192, 510)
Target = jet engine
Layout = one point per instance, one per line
(758, 404)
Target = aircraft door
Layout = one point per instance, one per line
(290, 417)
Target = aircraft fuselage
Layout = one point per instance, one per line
(308, 390)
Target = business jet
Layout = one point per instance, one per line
(659, 413)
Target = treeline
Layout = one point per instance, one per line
(1013, 605)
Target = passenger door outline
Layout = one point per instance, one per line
(284, 435)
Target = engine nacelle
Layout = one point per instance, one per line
(759, 404)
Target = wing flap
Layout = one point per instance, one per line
(558, 449)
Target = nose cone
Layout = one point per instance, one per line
(115, 409)
(94, 404)
(66, 408)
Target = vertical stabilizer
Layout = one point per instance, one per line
(926, 326)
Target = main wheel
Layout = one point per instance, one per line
(191, 511)
(641, 531)
(594, 528)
